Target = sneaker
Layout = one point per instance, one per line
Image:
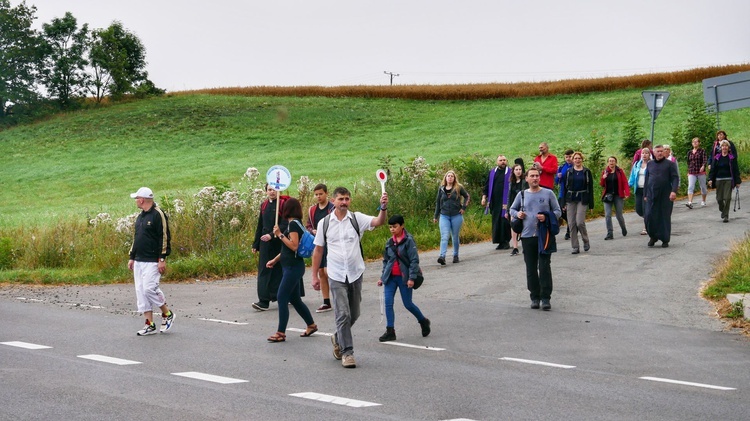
(586, 247)
(147, 330)
(567, 236)
(575, 251)
(546, 306)
(348, 361)
(323, 308)
(609, 237)
(534, 304)
(389, 335)
(514, 252)
(425, 327)
(260, 307)
(336, 348)
(689, 205)
(455, 259)
(725, 220)
(703, 204)
(166, 322)
(441, 260)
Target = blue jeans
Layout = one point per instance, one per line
(450, 225)
(289, 293)
(397, 282)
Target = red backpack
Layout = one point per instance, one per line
(282, 200)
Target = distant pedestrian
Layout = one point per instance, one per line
(697, 161)
(538, 208)
(546, 163)
(316, 213)
(716, 148)
(517, 183)
(495, 200)
(400, 269)
(662, 181)
(342, 232)
(268, 247)
(578, 197)
(148, 260)
(450, 209)
(637, 183)
(615, 191)
(637, 155)
(560, 182)
(725, 176)
(293, 269)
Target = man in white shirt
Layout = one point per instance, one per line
(346, 265)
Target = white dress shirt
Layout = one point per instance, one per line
(344, 257)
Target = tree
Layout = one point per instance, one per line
(118, 59)
(632, 137)
(19, 54)
(64, 65)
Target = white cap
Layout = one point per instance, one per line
(143, 192)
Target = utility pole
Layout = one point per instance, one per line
(392, 75)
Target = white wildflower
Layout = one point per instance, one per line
(252, 173)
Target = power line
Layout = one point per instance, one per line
(392, 75)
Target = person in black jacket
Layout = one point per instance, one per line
(400, 269)
(724, 176)
(269, 247)
(148, 260)
(450, 210)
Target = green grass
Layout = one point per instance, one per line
(88, 161)
(731, 274)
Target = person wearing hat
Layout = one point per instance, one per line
(148, 260)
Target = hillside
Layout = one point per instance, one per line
(88, 161)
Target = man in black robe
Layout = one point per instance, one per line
(662, 181)
(268, 246)
(495, 201)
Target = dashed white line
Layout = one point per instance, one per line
(427, 348)
(33, 300)
(520, 360)
(294, 329)
(110, 360)
(223, 321)
(707, 386)
(82, 305)
(209, 377)
(25, 345)
(334, 399)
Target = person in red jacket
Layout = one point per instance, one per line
(615, 191)
(546, 163)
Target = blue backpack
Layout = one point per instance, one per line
(306, 243)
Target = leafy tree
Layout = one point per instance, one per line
(64, 65)
(632, 137)
(19, 54)
(118, 59)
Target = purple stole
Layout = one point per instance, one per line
(506, 190)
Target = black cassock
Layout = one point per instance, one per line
(662, 179)
(500, 223)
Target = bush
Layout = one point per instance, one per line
(7, 254)
(632, 137)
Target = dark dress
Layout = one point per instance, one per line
(500, 223)
(662, 178)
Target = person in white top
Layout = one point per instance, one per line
(341, 231)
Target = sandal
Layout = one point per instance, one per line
(310, 330)
(277, 337)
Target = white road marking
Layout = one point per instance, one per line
(82, 305)
(209, 377)
(519, 360)
(428, 348)
(25, 345)
(294, 329)
(34, 300)
(334, 399)
(110, 360)
(707, 386)
(223, 321)
(460, 419)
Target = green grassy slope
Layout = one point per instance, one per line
(89, 161)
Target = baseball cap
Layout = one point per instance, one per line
(143, 192)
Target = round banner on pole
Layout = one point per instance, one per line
(279, 178)
(382, 177)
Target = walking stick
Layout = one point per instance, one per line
(736, 198)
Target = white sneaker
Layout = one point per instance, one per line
(166, 322)
(703, 204)
(147, 330)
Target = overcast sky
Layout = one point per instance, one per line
(193, 44)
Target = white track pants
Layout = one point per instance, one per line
(147, 291)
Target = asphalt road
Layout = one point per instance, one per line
(627, 326)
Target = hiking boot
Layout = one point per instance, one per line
(575, 251)
(425, 327)
(535, 304)
(546, 306)
(324, 308)
(441, 260)
(455, 259)
(147, 330)
(336, 348)
(260, 307)
(389, 335)
(514, 252)
(348, 361)
(166, 322)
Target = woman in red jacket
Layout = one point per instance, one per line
(615, 190)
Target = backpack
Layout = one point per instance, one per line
(355, 224)
(282, 199)
(306, 243)
(420, 277)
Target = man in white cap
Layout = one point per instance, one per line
(148, 260)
